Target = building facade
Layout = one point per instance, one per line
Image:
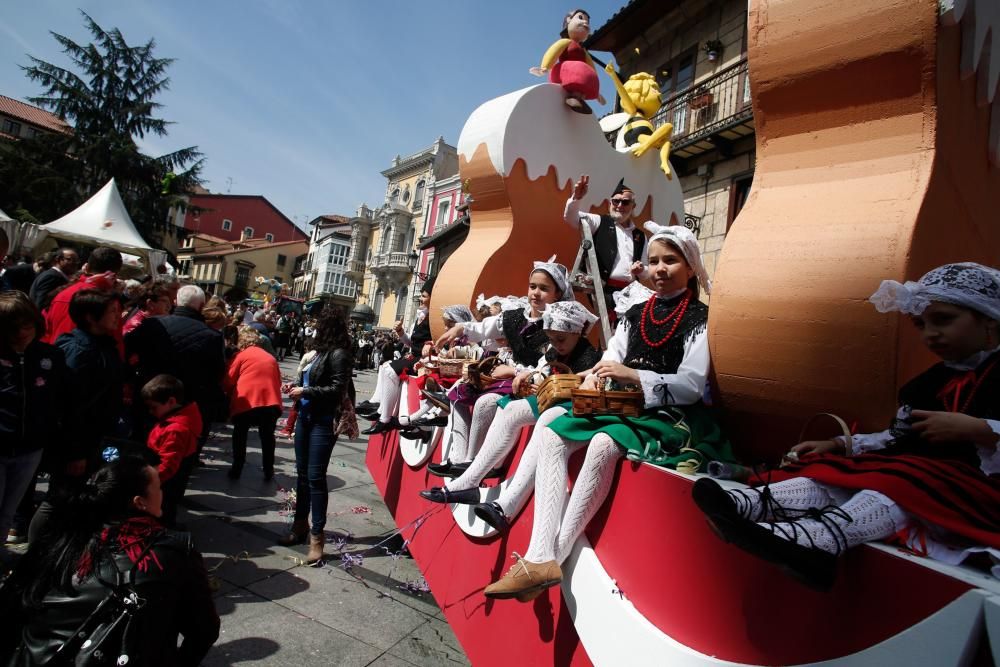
(446, 227)
(239, 217)
(696, 49)
(19, 120)
(325, 270)
(384, 258)
(231, 269)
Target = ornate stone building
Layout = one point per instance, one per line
(384, 256)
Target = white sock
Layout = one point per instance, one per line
(589, 490)
(390, 396)
(550, 494)
(515, 495)
(796, 494)
(461, 416)
(868, 516)
(500, 439)
(482, 416)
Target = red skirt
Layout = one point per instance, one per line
(949, 494)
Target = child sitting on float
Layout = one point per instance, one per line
(930, 479)
(428, 378)
(473, 409)
(385, 411)
(661, 348)
(386, 394)
(566, 324)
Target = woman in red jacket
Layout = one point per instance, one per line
(254, 384)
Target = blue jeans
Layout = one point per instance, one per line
(314, 440)
(16, 473)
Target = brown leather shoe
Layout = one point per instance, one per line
(316, 544)
(296, 535)
(523, 579)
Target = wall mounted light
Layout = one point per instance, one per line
(713, 49)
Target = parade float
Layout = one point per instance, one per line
(876, 159)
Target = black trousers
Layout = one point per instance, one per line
(265, 419)
(173, 490)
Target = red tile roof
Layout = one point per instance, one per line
(33, 115)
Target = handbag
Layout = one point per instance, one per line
(110, 635)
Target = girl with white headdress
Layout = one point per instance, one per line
(660, 348)
(520, 323)
(566, 324)
(930, 480)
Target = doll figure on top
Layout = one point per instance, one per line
(569, 64)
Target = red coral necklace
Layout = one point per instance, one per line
(676, 314)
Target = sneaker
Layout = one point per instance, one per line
(524, 578)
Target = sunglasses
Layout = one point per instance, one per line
(618, 201)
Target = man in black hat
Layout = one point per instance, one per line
(620, 246)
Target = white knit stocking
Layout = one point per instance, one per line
(868, 516)
(460, 418)
(500, 439)
(589, 491)
(515, 495)
(801, 493)
(390, 394)
(482, 416)
(379, 383)
(550, 494)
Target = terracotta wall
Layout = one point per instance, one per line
(871, 164)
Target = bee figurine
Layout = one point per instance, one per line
(640, 98)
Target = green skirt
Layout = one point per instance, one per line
(682, 437)
(533, 402)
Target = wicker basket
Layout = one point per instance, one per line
(453, 368)
(602, 402)
(479, 373)
(557, 387)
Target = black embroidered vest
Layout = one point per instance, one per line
(420, 334)
(527, 341)
(667, 358)
(924, 392)
(606, 246)
(583, 357)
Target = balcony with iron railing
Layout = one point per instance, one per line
(712, 113)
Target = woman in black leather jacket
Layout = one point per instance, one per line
(112, 523)
(319, 393)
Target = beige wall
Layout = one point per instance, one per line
(265, 261)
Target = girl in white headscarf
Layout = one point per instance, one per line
(520, 323)
(930, 480)
(660, 349)
(566, 324)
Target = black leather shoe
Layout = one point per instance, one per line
(382, 427)
(437, 398)
(440, 420)
(449, 470)
(492, 514)
(416, 434)
(440, 469)
(365, 406)
(371, 413)
(439, 494)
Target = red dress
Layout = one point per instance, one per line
(574, 73)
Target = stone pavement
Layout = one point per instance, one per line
(276, 611)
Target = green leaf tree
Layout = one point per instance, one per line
(108, 94)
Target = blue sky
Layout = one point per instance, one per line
(306, 102)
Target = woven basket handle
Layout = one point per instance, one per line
(844, 430)
(559, 368)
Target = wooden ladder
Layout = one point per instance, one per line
(596, 287)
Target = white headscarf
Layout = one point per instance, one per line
(966, 284)
(482, 300)
(458, 313)
(511, 302)
(687, 243)
(568, 316)
(635, 292)
(559, 275)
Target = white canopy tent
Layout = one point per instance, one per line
(103, 220)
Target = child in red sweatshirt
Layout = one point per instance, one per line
(174, 438)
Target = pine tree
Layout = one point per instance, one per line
(108, 95)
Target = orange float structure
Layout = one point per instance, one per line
(873, 162)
